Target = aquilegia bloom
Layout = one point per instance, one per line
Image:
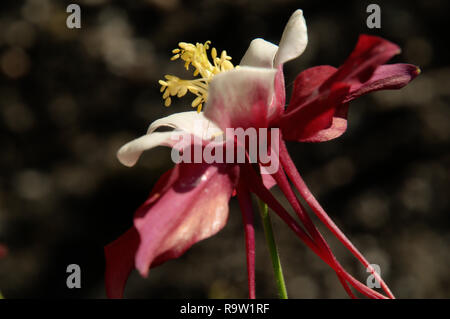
(190, 202)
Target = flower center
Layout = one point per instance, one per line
(195, 55)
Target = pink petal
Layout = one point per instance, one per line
(120, 254)
(267, 179)
(242, 98)
(193, 208)
(189, 203)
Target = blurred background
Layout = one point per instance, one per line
(69, 98)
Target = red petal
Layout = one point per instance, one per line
(245, 204)
(258, 188)
(298, 182)
(277, 106)
(322, 120)
(195, 207)
(369, 53)
(307, 84)
(119, 262)
(322, 245)
(385, 77)
(318, 110)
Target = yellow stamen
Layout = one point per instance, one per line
(195, 55)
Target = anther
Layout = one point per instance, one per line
(195, 55)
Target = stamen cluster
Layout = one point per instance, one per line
(195, 55)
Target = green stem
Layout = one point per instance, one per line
(268, 231)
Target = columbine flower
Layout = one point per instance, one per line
(190, 202)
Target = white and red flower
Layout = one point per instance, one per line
(190, 202)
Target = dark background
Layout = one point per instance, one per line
(70, 98)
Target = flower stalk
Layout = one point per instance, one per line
(271, 245)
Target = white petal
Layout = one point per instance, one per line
(240, 97)
(129, 154)
(260, 53)
(294, 39)
(189, 122)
